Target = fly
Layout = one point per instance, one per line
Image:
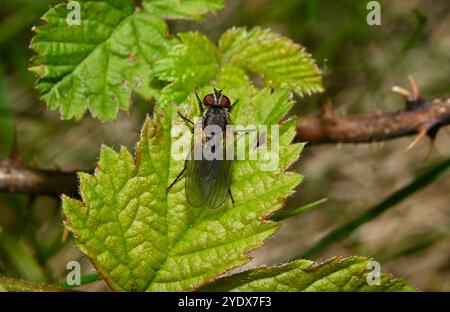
(208, 180)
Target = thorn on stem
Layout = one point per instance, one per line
(422, 133)
(402, 91)
(413, 85)
(413, 98)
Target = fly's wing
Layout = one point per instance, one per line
(208, 182)
(193, 189)
(217, 182)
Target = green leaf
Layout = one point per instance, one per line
(190, 9)
(232, 76)
(191, 63)
(336, 274)
(95, 66)
(140, 237)
(280, 62)
(196, 62)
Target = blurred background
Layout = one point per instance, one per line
(360, 62)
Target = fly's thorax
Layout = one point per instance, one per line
(216, 116)
(211, 135)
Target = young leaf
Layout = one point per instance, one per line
(140, 237)
(196, 61)
(191, 9)
(279, 61)
(336, 274)
(191, 63)
(232, 76)
(97, 64)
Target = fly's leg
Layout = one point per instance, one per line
(191, 125)
(188, 122)
(200, 104)
(231, 197)
(231, 108)
(178, 178)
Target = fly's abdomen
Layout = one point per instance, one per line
(208, 182)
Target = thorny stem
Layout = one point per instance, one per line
(16, 177)
(420, 117)
(428, 118)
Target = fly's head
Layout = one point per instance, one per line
(217, 99)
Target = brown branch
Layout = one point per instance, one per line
(427, 117)
(15, 177)
(420, 117)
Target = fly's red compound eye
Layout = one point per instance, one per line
(225, 102)
(209, 100)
